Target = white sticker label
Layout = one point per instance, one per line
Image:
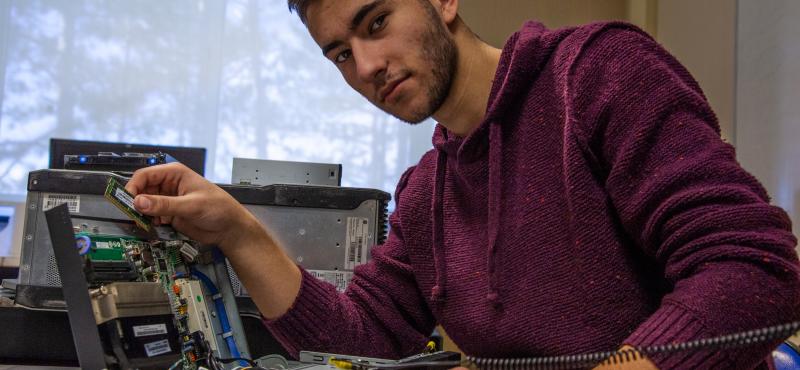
(146, 330)
(102, 245)
(339, 279)
(73, 202)
(123, 197)
(157, 348)
(356, 242)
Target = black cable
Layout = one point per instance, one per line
(211, 362)
(250, 362)
(730, 341)
(415, 365)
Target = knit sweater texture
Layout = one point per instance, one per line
(596, 205)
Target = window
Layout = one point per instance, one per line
(241, 78)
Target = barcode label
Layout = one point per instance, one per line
(123, 197)
(157, 348)
(145, 330)
(51, 201)
(356, 242)
(339, 279)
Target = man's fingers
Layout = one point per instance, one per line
(162, 205)
(155, 177)
(152, 189)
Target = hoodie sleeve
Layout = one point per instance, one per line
(381, 314)
(727, 254)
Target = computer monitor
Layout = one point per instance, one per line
(194, 158)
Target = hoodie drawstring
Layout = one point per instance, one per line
(516, 72)
(438, 291)
(494, 202)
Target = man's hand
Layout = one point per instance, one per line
(637, 362)
(176, 195)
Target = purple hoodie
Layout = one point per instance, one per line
(595, 205)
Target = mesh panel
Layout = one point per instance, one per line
(238, 289)
(52, 277)
(383, 221)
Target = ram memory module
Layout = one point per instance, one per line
(118, 196)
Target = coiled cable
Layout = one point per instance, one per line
(735, 340)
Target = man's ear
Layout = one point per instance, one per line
(448, 9)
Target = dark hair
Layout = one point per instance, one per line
(299, 6)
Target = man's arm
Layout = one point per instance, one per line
(381, 314)
(727, 254)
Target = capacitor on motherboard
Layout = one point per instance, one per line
(83, 243)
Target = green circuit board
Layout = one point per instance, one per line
(159, 261)
(108, 247)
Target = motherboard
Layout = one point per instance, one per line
(155, 296)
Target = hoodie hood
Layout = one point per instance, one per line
(520, 62)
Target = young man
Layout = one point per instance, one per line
(578, 198)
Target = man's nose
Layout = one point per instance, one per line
(370, 63)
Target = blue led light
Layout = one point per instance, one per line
(82, 159)
(151, 161)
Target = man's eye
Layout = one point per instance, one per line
(342, 57)
(377, 23)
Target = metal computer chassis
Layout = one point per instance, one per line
(327, 230)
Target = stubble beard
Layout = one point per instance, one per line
(442, 57)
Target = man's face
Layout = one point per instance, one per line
(396, 53)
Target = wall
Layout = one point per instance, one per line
(494, 21)
(701, 34)
(768, 97)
